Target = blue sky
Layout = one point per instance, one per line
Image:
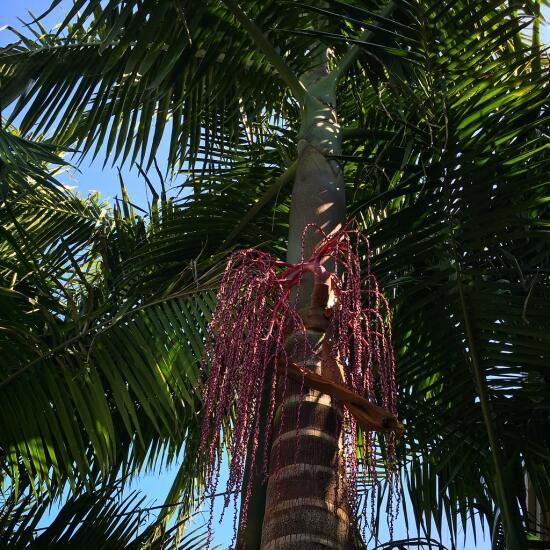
(92, 176)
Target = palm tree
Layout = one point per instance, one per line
(427, 121)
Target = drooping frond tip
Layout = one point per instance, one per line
(257, 336)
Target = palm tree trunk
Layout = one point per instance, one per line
(306, 506)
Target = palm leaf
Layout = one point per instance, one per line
(101, 519)
(455, 199)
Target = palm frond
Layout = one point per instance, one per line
(100, 376)
(453, 189)
(23, 161)
(105, 78)
(104, 519)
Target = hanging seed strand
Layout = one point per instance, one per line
(256, 313)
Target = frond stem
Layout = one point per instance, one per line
(268, 195)
(259, 38)
(351, 55)
(535, 42)
(513, 536)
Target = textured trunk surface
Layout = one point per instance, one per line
(306, 506)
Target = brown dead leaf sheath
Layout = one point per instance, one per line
(369, 416)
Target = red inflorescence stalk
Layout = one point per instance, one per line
(255, 314)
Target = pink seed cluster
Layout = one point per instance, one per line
(256, 312)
